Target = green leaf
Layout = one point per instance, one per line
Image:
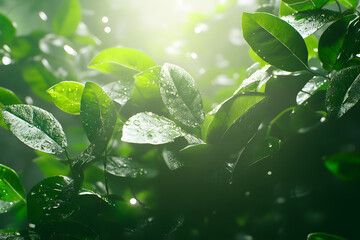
(312, 46)
(35, 127)
(7, 30)
(122, 62)
(67, 18)
(51, 166)
(349, 3)
(331, 42)
(229, 113)
(308, 22)
(323, 236)
(180, 96)
(256, 81)
(285, 9)
(343, 91)
(172, 159)
(147, 82)
(119, 91)
(275, 41)
(11, 188)
(7, 97)
(317, 83)
(345, 165)
(67, 96)
(98, 114)
(147, 127)
(6, 206)
(302, 5)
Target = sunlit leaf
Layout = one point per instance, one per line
(119, 91)
(180, 96)
(147, 83)
(67, 96)
(67, 18)
(7, 30)
(302, 5)
(11, 188)
(343, 91)
(275, 41)
(349, 3)
(35, 127)
(315, 84)
(285, 9)
(308, 22)
(256, 81)
(7, 97)
(150, 128)
(323, 236)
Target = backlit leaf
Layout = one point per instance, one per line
(349, 3)
(11, 188)
(302, 5)
(119, 91)
(67, 18)
(7, 30)
(345, 165)
(7, 97)
(315, 84)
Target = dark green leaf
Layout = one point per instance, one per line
(11, 188)
(91, 154)
(67, 96)
(323, 236)
(150, 128)
(349, 3)
(315, 84)
(98, 114)
(275, 41)
(119, 91)
(67, 18)
(123, 62)
(343, 91)
(331, 42)
(302, 5)
(35, 127)
(345, 165)
(180, 95)
(7, 97)
(7, 30)
(19, 236)
(308, 22)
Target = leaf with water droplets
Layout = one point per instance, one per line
(180, 96)
(308, 22)
(150, 128)
(7, 97)
(98, 114)
(316, 84)
(122, 62)
(67, 18)
(343, 91)
(11, 188)
(302, 5)
(119, 91)
(35, 127)
(349, 3)
(275, 41)
(171, 159)
(256, 81)
(323, 236)
(6, 206)
(67, 96)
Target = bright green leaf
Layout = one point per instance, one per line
(317, 83)
(275, 41)
(51, 166)
(285, 10)
(323, 236)
(67, 96)
(180, 96)
(349, 3)
(7, 97)
(302, 5)
(6, 206)
(7, 30)
(11, 188)
(67, 18)
(35, 127)
(147, 127)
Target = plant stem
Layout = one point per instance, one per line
(338, 4)
(105, 174)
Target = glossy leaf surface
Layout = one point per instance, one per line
(11, 188)
(256, 81)
(98, 114)
(35, 127)
(275, 41)
(147, 127)
(67, 96)
(7, 97)
(349, 3)
(315, 84)
(180, 95)
(119, 91)
(343, 91)
(302, 5)
(67, 18)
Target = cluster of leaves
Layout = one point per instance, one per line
(155, 162)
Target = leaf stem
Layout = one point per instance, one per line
(105, 175)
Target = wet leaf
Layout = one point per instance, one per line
(180, 95)
(119, 91)
(6, 206)
(301, 5)
(147, 83)
(19, 236)
(256, 81)
(35, 127)
(308, 22)
(98, 114)
(317, 83)
(92, 153)
(343, 91)
(67, 96)
(7, 97)
(349, 3)
(150, 128)
(7, 30)
(171, 159)
(122, 62)
(275, 41)
(67, 18)
(323, 236)
(11, 188)
(285, 10)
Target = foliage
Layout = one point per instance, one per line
(156, 153)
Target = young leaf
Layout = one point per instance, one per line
(275, 41)
(67, 96)
(331, 42)
(343, 91)
(7, 30)
(35, 127)
(11, 188)
(349, 3)
(122, 62)
(67, 18)
(98, 114)
(180, 96)
(345, 165)
(7, 97)
(150, 128)
(302, 5)
(308, 22)
(323, 236)
(317, 83)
